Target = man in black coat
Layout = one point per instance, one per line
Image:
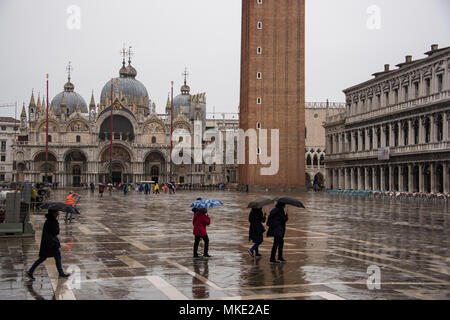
(49, 244)
(277, 228)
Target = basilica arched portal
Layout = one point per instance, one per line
(121, 165)
(75, 163)
(155, 167)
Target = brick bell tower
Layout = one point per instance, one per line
(273, 88)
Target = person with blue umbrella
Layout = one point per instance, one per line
(200, 221)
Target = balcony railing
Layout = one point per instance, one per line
(398, 107)
(394, 151)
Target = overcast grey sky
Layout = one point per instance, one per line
(204, 36)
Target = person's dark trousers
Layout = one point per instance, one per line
(41, 259)
(278, 243)
(197, 242)
(255, 248)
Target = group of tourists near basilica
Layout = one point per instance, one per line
(79, 137)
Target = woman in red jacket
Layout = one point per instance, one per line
(200, 221)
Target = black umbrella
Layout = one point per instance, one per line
(290, 201)
(59, 206)
(260, 202)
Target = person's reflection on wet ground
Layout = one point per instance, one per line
(199, 289)
(256, 274)
(34, 294)
(277, 274)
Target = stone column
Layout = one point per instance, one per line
(433, 177)
(421, 131)
(383, 137)
(391, 178)
(352, 178)
(366, 179)
(358, 178)
(382, 179)
(433, 125)
(391, 135)
(446, 178)
(327, 183)
(400, 134)
(410, 132)
(421, 178)
(445, 118)
(338, 181)
(400, 179)
(374, 179)
(410, 178)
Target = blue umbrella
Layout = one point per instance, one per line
(207, 203)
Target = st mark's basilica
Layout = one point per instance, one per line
(79, 137)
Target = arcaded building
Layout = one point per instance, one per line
(272, 93)
(79, 137)
(394, 132)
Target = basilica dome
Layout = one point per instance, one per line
(183, 99)
(68, 99)
(129, 90)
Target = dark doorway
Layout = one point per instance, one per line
(49, 179)
(116, 177)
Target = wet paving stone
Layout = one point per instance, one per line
(140, 247)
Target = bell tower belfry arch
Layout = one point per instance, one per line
(272, 92)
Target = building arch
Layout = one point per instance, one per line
(45, 170)
(123, 129)
(75, 168)
(78, 125)
(155, 166)
(120, 167)
(319, 179)
(53, 126)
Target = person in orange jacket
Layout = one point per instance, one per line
(71, 200)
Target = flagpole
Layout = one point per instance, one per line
(111, 133)
(46, 139)
(171, 130)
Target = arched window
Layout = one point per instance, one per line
(316, 161)
(49, 138)
(308, 160)
(153, 139)
(78, 139)
(322, 160)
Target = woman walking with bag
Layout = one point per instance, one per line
(49, 245)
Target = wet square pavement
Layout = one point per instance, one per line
(140, 247)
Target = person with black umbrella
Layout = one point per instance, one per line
(277, 228)
(256, 231)
(49, 244)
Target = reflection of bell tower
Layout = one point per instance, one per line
(273, 87)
